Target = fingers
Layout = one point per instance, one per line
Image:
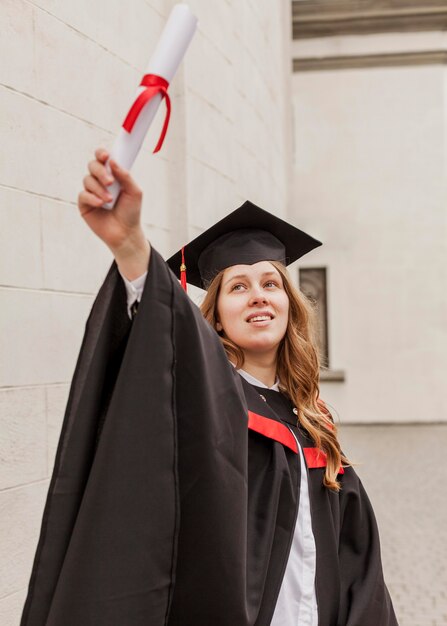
(102, 173)
(94, 186)
(101, 155)
(126, 181)
(88, 201)
(98, 170)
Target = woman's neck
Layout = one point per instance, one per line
(263, 368)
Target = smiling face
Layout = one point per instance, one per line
(253, 307)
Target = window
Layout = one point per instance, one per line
(313, 284)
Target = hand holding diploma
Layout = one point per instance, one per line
(109, 175)
(121, 228)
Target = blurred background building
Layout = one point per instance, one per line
(330, 113)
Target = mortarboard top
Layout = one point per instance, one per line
(247, 235)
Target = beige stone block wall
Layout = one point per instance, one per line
(239, 115)
(23, 437)
(370, 181)
(65, 85)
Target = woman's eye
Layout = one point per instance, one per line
(237, 287)
(271, 283)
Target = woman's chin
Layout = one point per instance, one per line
(260, 347)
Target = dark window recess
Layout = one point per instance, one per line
(313, 284)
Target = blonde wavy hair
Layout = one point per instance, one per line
(298, 369)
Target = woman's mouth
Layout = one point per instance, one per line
(263, 317)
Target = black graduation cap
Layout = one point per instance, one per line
(247, 235)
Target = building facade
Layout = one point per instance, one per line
(369, 179)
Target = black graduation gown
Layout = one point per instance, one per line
(349, 582)
(175, 488)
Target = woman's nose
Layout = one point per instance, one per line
(258, 296)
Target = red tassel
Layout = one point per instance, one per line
(183, 271)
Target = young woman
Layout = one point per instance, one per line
(199, 479)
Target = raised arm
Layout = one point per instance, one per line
(120, 228)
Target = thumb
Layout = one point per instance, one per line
(124, 178)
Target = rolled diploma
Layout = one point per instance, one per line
(168, 54)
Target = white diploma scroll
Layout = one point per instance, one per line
(171, 47)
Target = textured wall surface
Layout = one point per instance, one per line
(68, 73)
(370, 179)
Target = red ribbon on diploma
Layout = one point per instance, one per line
(154, 84)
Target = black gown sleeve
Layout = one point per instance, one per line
(152, 457)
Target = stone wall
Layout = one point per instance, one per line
(370, 180)
(67, 76)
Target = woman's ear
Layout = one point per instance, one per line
(219, 327)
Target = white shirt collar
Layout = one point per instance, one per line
(254, 381)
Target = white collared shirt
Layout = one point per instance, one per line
(297, 601)
(134, 290)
